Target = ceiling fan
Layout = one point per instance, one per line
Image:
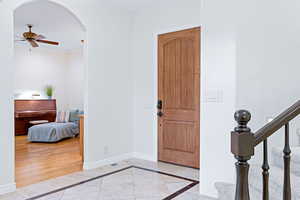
(34, 38)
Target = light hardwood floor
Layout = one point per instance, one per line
(36, 162)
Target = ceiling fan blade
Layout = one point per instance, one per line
(40, 37)
(33, 43)
(19, 38)
(48, 42)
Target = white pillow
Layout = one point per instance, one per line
(67, 116)
(60, 117)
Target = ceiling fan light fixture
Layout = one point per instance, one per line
(34, 38)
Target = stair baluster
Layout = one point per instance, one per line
(287, 160)
(265, 172)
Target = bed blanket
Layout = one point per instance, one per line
(52, 132)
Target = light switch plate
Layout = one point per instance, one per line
(213, 96)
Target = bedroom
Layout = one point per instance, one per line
(48, 92)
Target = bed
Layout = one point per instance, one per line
(55, 131)
(52, 132)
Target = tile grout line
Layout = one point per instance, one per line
(134, 185)
(100, 189)
(62, 195)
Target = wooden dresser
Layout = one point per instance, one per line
(32, 110)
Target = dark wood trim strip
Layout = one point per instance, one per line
(172, 196)
(183, 190)
(167, 174)
(79, 183)
(179, 192)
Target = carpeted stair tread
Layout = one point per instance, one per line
(275, 182)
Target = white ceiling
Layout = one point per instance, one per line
(52, 21)
(57, 24)
(132, 5)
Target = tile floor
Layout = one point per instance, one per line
(129, 180)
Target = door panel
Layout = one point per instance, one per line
(173, 130)
(179, 91)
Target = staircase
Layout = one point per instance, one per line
(276, 181)
(279, 180)
(227, 191)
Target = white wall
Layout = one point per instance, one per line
(218, 62)
(148, 23)
(218, 76)
(6, 97)
(250, 52)
(42, 66)
(108, 89)
(75, 79)
(268, 63)
(233, 55)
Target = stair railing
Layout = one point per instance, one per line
(243, 143)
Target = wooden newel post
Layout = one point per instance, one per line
(242, 147)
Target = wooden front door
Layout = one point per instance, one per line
(179, 97)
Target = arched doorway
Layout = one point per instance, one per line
(35, 13)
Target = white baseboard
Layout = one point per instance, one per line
(108, 161)
(116, 159)
(143, 157)
(4, 189)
